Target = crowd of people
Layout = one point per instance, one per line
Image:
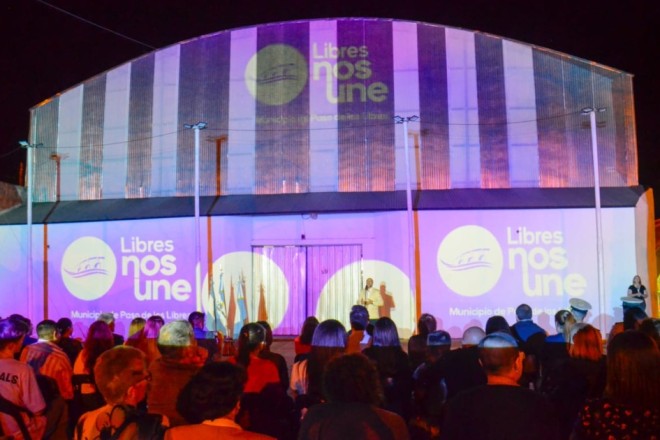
(177, 380)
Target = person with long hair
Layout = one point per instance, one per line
(328, 342)
(630, 406)
(136, 337)
(579, 377)
(260, 372)
(303, 342)
(417, 343)
(393, 367)
(555, 348)
(639, 291)
(99, 340)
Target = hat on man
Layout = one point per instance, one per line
(579, 308)
(438, 338)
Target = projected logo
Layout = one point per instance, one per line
(89, 268)
(470, 260)
(276, 74)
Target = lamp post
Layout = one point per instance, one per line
(198, 266)
(411, 235)
(591, 111)
(30, 165)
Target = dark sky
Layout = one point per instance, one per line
(45, 51)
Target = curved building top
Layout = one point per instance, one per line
(310, 106)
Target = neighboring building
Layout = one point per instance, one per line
(303, 178)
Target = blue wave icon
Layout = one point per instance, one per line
(87, 267)
(472, 259)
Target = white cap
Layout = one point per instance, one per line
(631, 300)
(579, 304)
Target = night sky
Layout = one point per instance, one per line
(46, 51)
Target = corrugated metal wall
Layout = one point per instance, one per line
(309, 106)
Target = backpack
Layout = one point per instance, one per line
(127, 422)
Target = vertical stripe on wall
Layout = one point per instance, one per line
(463, 116)
(406, 100)
(550, 114)
(165, 124)
(204, 96)
(240, 145)
(605, 127)
(492, 112)
(433, 107)
(366, 105)
(323, 135)
(91, 152)
(68, 142)
(138, 181)
(282, 112)
(521, 115)
(43, 130)
(624, 115)
(577, 93)
(115, 132)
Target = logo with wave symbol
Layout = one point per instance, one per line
(470, 260)
(276, 74)
(89, 268)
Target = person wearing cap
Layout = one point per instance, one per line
(429, 388)
(579, 308)
(501, 409)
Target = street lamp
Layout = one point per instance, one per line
(196, 128)
(591, 111)
(30, 164)
(411, 235)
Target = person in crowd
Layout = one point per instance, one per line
(210, 403)
(260, 372)
(276, 358)
(328, 342)
(48, 359)
(429, 387)
(72, 347)
(121, 377)
(54, 372)
(151, 332)
(205, 338)
(579, 377)
(358, 338)
(109, 318)
(579, 308)
(630, 406)
(651, 327)
(497, 323)
(502, 409)
(303, 342)
(353, 393)
(555, 348)
(265, 407)
(27, 324)
(632, 319)
(393, 367)
(417, 343)
(99, 339)
(638, 290)
(180, 360)
(136, 327)
(19, 386)
(524, 327)
(460, 369)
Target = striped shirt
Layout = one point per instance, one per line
(47, 359)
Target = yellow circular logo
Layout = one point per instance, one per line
(276, 74)
(470, 260)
